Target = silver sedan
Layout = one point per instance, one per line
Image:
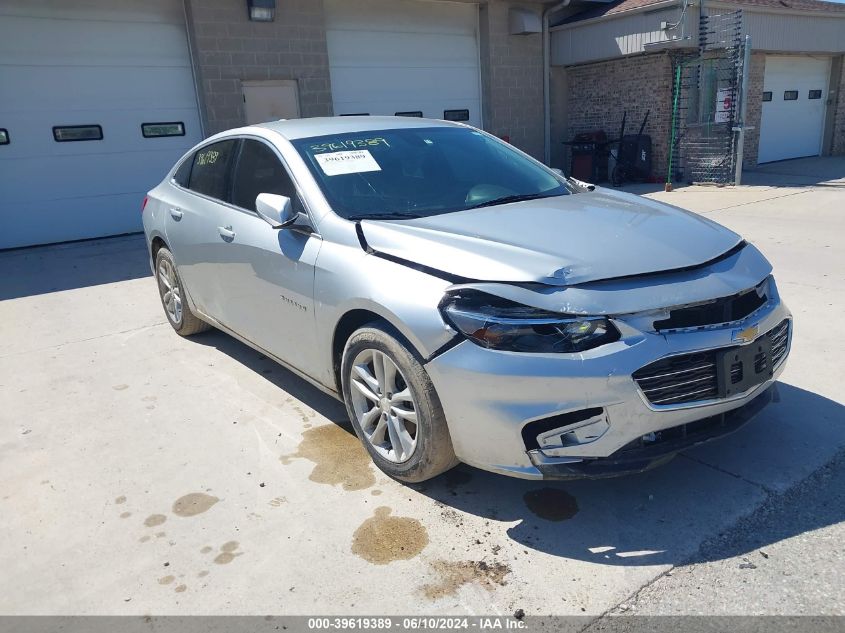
(466, 302)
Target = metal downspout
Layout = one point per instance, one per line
(547, 114)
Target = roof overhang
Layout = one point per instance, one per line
(678, 44)
(657, 6)
(711, 4)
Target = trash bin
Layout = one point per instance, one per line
(589, 156)
(635, 151)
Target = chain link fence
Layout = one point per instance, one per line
(705, 103)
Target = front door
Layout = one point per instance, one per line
(267, 275)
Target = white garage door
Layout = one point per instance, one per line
(794, 96)
(110, 67)
(408, 56)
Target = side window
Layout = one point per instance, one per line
(210, 170)
(259, 171)
(184, 172)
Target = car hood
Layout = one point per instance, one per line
(564, 240)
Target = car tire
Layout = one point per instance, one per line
(172, 293)
(432, 453)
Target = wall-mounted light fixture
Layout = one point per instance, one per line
(523, 22)
(261, 10)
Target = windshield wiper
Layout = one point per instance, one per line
(385, 216)
(508, 199)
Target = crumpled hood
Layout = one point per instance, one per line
(564, 240)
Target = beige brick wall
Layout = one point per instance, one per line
(755, 109)
(599, 93)
(559, 103)
(512, 73)
(838, 145)
(229, 49)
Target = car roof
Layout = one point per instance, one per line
(293, 129)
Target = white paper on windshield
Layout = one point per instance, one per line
(352, 162)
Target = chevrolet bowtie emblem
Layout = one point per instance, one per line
(747, 335)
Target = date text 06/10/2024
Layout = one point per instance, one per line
(415, 623)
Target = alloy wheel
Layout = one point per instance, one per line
(383, 405)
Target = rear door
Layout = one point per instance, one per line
(192, 210)
(266, 275)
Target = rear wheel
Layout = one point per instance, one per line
(393, 406)
(172, 294)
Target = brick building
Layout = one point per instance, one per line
(98, 99)
(620, 56)
(303, 42)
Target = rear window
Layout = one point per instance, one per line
(210, 170)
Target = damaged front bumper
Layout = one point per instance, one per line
(584, 415)
(655, 449)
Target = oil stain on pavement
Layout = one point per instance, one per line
(454, 575)
(193, 504)
(382, 538)
(228, 553)
(338, 456)
(154, 520)
(551, 504)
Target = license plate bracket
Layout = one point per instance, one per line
(741, 368)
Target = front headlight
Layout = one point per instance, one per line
(501, 324)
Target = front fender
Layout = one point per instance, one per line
(349, 279)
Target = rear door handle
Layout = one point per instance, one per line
(175, 213)
(226, 233)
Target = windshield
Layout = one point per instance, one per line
(419, 172)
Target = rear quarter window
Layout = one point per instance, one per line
(210, 170)
(183, 173)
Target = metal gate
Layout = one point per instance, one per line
(705, 103)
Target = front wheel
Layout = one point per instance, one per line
(393, 406)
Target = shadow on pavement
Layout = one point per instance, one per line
(654, 518)
(327, 406)
(44, 269)
(823, 171)
(817, 171)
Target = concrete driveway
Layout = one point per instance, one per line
(141, 473)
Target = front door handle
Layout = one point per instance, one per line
(175, 213)
(226, 233)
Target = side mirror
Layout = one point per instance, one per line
(276, 210)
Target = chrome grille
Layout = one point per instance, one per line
(693, 377)
(780, 342)
(685, 378)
